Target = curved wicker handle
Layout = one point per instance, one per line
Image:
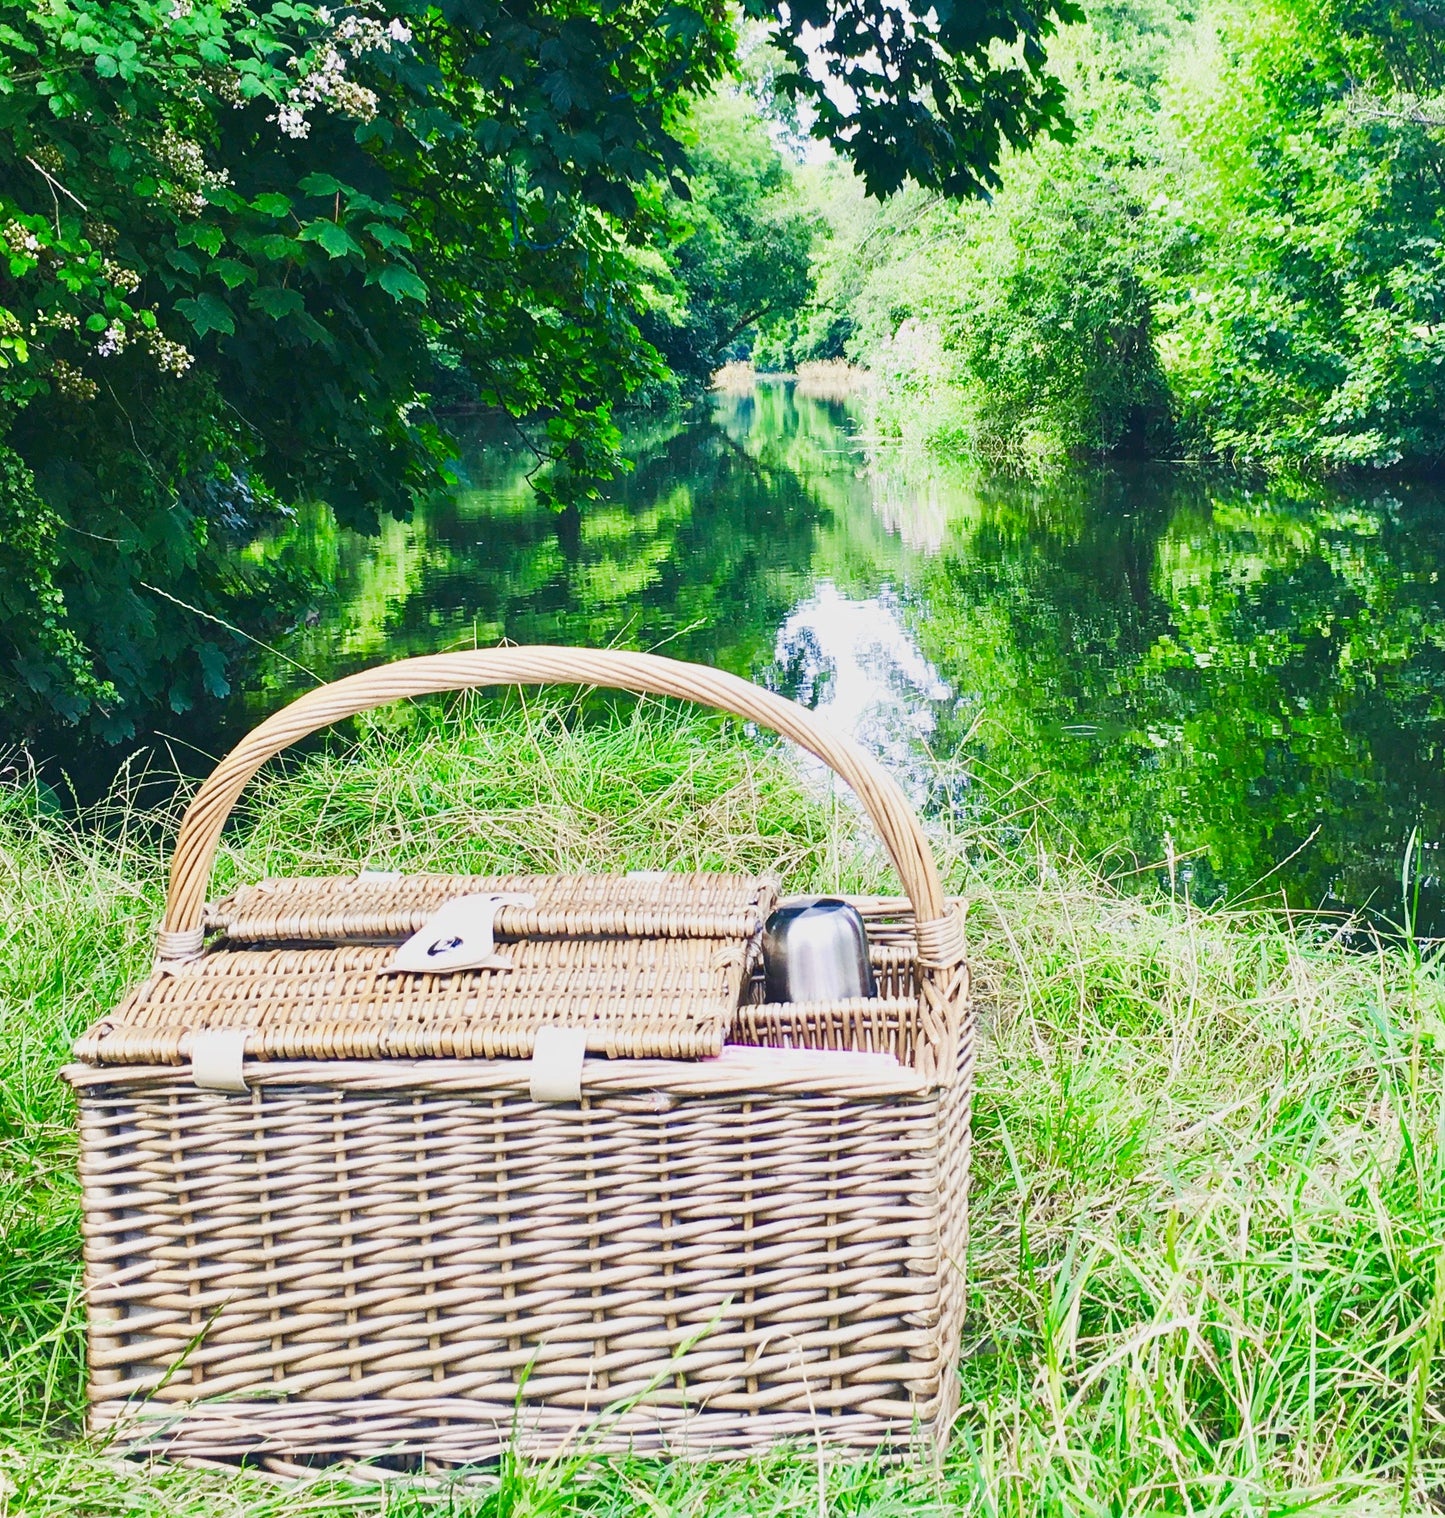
(643, 673)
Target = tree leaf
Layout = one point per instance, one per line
(276, 302)
(204, 235)
(213, 670)
(401, 283)
(232, 272)
(323, 184)
(206, 313)
(388, 236)
(272, 204)
(330, 235)
(273, 246)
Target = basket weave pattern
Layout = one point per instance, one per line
(670, 997)
(386, 1249)
(386, 908)
(415, 1262)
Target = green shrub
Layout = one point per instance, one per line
(1239, 253)
(1311, 326)
(1022, 330)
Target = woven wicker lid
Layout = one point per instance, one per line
(651, 966)
(383, 907)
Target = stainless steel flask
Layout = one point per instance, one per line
(815, 948)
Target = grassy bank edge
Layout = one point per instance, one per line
(1206, 1271)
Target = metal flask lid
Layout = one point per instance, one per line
(815, 948)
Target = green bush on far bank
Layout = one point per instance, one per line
(1240, 253)
(1209, 1188)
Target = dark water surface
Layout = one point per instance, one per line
(1156, 660)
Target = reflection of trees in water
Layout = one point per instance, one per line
(702, 549)
(1233, 669)
(803, 671)
(854, 661)
(1154, 652)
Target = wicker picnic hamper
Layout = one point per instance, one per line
(339, 1211)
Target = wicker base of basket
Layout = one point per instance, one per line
(458, 1433)
(373, 1259)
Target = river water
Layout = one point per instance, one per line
(1150, 663)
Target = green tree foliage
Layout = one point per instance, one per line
(1023, 329)
(932, 95)
(250, 254)
(1243, 244)
(245, 248)
(1312, 326)
(738, 260)
(30, 600)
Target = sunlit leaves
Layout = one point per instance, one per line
(1318, 214)
(740, 244)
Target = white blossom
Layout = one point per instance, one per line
(324, 83)
(171, 358)
(19, 238)
(61, 321)
(125, 280)
(292, 121)
(187, 166)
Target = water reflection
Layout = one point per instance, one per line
(856, 663)
(1256, 676)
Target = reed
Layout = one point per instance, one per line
(832, 379)
(1207, 1273)
(738, 377)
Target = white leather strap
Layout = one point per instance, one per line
(458, 936)
(556, 1069)
(217, 1059)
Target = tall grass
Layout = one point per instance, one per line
(1208, 1256)
(832, 379)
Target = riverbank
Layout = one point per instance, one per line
(1198, 270)
(1141, 652)
(1205, 1270)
